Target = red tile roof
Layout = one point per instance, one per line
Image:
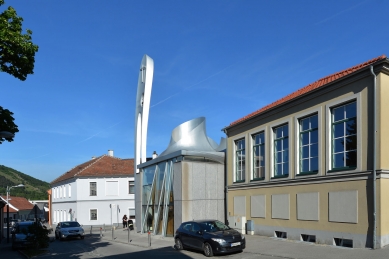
(20, 203)
(319, 83)
(100, 167)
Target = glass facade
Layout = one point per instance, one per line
(158, 199)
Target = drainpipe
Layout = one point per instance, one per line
(225, 183)
(374, 161)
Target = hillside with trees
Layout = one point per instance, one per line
(34, 189)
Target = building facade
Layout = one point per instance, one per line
(310, 166)
(185, 182)
(99, 191)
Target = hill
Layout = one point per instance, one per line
(34, 189)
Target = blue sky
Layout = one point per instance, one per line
(217, 59)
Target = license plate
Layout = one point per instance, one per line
(235, 244)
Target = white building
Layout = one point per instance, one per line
(99, 191)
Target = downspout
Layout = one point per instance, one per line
(374, 161)
(225, 183)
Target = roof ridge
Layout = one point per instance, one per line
(97, 159)
(75, 167)
(312, 86)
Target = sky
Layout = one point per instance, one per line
(220, 59)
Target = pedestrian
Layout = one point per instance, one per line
(124, 221)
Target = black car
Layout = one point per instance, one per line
(210, 236)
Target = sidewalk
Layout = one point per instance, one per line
(254, 245)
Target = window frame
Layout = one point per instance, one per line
(90, 189)
(252, 162)
(274, 150)
(272, 126)
(243, 174)
(299, 144)
(90, 214)
(133, 186)
(329, 146)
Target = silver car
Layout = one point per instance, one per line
(69, 229)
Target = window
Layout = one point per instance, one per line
(64, 191)
(70, 191)
(281, 151)
(93, 214)
(259, 156)
(240, 158)
(131, 187)
(93, 188)
(309, 146)
(344, 136)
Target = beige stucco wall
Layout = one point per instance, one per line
(325, 181)
(323, 223)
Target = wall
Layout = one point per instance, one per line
(198, 191)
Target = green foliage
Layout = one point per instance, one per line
(34, 189)
(17, 51)
(7, 123)
(40, 236)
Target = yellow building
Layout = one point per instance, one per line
(313, 166)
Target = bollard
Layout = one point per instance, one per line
(149, 238)
(104, 227)
(101, 234)
(129, 230)
(112, 233)
(90, 230)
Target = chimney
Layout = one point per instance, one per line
(93, 157)
(155, 155)
(110, 152)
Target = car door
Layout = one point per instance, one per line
(186, 233)
(196, 237)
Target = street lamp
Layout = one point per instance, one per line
(8, 190)
(6, 134)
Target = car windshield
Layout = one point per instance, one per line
(70, 224)
(213, 226)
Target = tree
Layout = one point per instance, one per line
(7, 123)
(17, 52)
(17, 58)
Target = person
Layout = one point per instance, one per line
(124, 221)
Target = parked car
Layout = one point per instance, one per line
(69, 229)
(210, 236)
(22, 234)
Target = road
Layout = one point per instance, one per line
(97, 248)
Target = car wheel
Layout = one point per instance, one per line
(56, 236)
(208, 250)
(82, 237)
(179, 245)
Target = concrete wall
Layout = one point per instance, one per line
(198, 191)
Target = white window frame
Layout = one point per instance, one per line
(133, 184)
(329, 106)
(272, 126)
(237, 138)
(90, 188)
(298, 117)
(265, 130)
(90, 214)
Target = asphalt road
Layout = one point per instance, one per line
(96, 248)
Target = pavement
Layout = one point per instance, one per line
(255, 245)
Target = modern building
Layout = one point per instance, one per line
(185, 182)
(313, 165)
(99, 191)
